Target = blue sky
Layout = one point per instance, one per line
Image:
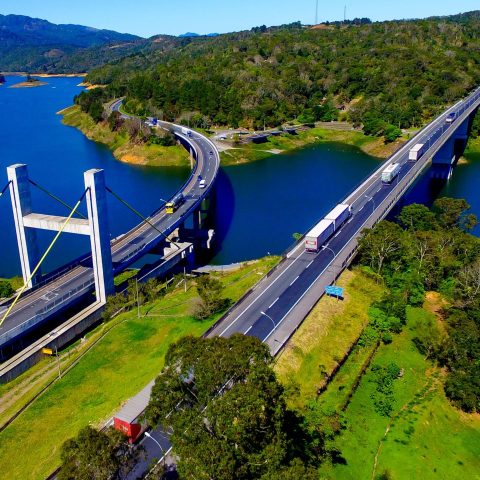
(150, 17)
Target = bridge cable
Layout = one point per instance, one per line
(59, 200)
(5, 188)
(146, 220)
(35, 270)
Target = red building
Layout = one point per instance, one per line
(129, 419)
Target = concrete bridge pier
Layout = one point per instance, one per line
(26, 237)
(446, 158)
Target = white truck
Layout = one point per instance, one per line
(186, 131)
(389, 174)
(318, 235)
(339, 215)
(416, 152)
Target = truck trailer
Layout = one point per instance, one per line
(186, 131)
(318, 235)
(339, 215)
(416, 152)
(389, 174)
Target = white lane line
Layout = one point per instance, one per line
(309, 264)
(260, 296)
(248, 329)
(275, 301)
(296, 278)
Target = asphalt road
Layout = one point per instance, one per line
(39, 304)
(262, 312)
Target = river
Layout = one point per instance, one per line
(260, 205)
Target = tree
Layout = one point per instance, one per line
(115, 121)
(6, 289)
(417, 217)
(392, 133)
(96, 455)
(226, 408)
(451, 212)
(382, 244)
(211, 301)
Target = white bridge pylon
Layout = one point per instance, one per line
(96, 227)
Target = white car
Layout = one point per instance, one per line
(202, 184)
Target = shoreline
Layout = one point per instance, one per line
(44, 75)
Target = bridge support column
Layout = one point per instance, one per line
(99, 233)
(26, 237)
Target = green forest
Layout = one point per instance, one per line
(383, 75)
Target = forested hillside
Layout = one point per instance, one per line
(37, 46)
(384, 75)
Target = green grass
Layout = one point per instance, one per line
(122, 363)
(126, 275)
(251, 152)
(119, 144)
(324, 337)
(427, 437)
(16, 282)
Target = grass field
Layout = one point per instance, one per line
(119, 144)
(425, 437)
(122, 363)
(324, 337)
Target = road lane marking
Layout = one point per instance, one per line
(310, 263)
(274, 302)
(248, 329)
(296, 278)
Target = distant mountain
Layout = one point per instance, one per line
(191, 34)
(35, 45)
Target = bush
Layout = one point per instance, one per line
(6, 289)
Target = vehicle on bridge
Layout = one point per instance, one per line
(416, 152)
(450, 117)
(339, 215)
(186, 132)
(318, 235)
(173, 204)
(390, 173)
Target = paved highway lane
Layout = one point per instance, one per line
(275, 297)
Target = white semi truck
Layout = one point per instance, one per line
(339, 215)
(319, 234)
(186, 131)
(416, 152)
(389, 174)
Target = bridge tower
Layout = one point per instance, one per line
(96, 227)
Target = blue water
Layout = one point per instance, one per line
(259, 205)
(57, 156)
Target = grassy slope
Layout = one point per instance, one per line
(122, 148)
(325, 335)
(427, 438)
(115, 369)
(251, 152)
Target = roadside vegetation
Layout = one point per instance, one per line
(129, 140)
(404, 404)
(129, 352)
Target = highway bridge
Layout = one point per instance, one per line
(274, 308)
(77, 280)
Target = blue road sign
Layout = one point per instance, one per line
(334, 291)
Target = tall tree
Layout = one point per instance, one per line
(95, 455)
(226, 408)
